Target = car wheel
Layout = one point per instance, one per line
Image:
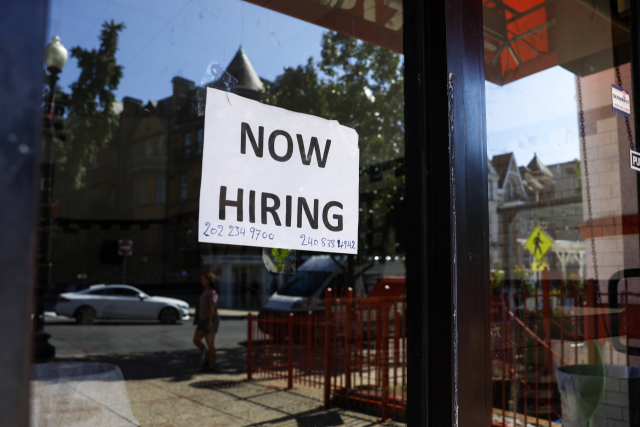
(169, 315)
(85, 315)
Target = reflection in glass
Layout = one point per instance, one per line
(563, 212)
(128, 142)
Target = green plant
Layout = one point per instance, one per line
(280, 257)
(497, 275)
(520, 274)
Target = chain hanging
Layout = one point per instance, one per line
(626, 119)
(583, 143)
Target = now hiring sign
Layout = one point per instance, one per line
(278, 179)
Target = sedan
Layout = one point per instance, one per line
(119, 302)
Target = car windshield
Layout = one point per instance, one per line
(126, 292)
(304, 283)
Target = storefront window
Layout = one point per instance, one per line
(563, 214)
(123, 280)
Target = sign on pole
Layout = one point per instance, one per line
(125, 247)
(277, 179)
(538, 243)
(538, 265)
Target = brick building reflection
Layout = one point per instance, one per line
(145, 186)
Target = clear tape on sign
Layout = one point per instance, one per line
(217, 77)
(282, 261)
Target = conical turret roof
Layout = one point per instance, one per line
(248, 81)
(537, 166)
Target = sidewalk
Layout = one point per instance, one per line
(229, 400)
(227, 313)
(165, 390)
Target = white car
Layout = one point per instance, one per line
(119, 302)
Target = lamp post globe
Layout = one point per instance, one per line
(55, 55)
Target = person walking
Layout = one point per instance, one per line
(208, 320)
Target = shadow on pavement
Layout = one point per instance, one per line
(50, 321)
(314, 418)
(63, 320)
(180, 365)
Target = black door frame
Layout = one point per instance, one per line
(22, 41)
(448, 294)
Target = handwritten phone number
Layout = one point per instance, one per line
(328, 243)
(235, 231)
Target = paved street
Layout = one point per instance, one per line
(118, 337)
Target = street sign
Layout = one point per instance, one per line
(538, 266)
(538, 243)
(125, 247)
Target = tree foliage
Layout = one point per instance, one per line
(86, 121)
(361, 86)
(356, 83)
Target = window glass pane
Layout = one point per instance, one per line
(160, 189)
(161, 147)
(103, 292)
(142, 190)
(125, 292)
(563, 230)
(129, 139)
(200, 140)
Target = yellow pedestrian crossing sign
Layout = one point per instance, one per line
(538, 265)
(538, 243)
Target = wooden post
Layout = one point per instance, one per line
(347, 340)
(546, 317)
(327, 350)
(309, 341)
(249, 345)
(589, 324)
(290, 353)
(383, 362)
(396, 346)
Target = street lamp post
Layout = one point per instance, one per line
(55, 57)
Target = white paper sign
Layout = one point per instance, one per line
(277, 179)
(620, 100)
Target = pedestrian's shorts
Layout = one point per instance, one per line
(202, 325)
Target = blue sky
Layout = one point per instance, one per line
(534, 115)
(167, 38)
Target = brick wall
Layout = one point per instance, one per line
(613, 184)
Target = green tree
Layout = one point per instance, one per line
(85, 119)
(356, 83)
(361, 86)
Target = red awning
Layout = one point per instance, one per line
(517, 39)
(521, 37)
(375, 21)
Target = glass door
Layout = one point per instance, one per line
(563, 213)
(127, 139)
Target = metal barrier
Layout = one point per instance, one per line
(355, 350)
(538, 328)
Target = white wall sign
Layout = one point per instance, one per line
(635, 160)
(621, 102)
(278, 179)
